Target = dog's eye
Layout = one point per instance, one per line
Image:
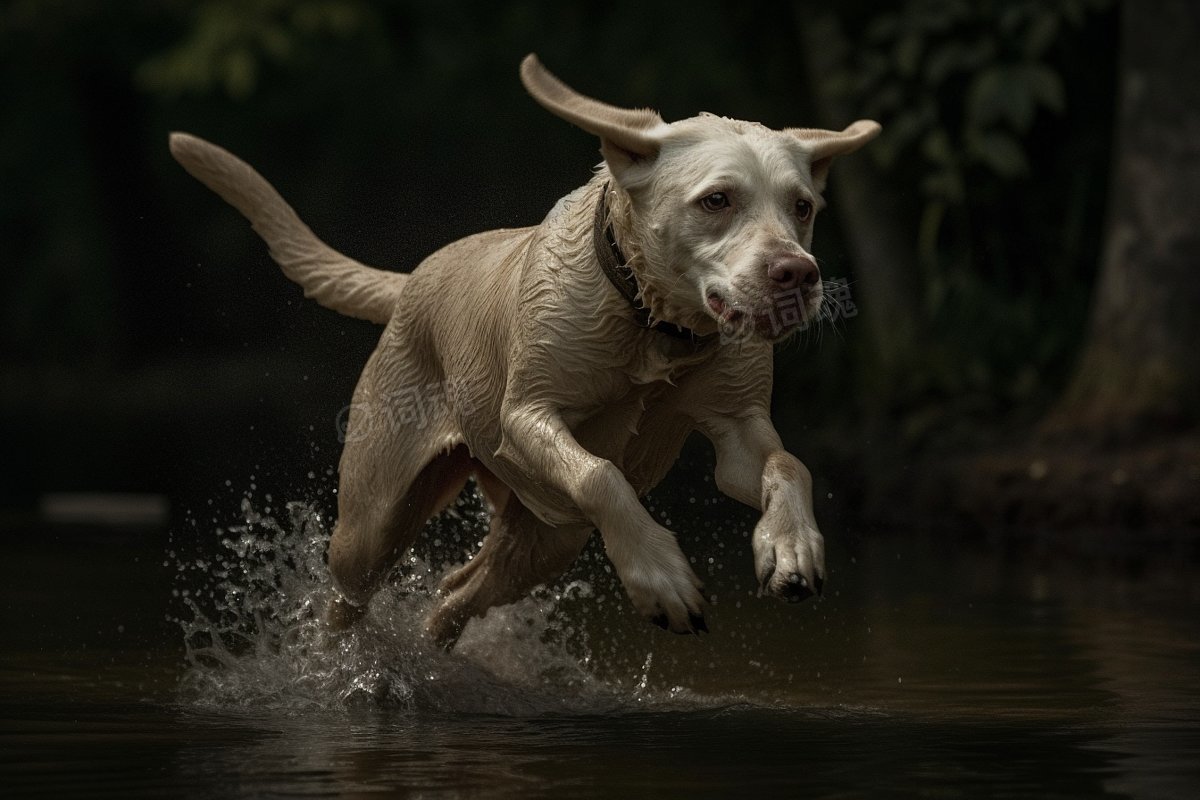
(717, 201)
(804, 210)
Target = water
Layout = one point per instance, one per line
(136, 666)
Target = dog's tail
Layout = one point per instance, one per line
(332, 279)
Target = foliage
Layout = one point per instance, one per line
(405, 128)
(231, 41)
(974, 99)
(961, 83)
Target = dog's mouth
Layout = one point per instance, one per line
(725, 313)
(771, 321)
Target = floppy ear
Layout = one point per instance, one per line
(626, 135)
(822, 145)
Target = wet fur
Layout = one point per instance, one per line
(531, 374)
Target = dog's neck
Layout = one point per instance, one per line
(618, 271)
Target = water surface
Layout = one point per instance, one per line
(195, 666)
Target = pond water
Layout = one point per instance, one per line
(141, 664)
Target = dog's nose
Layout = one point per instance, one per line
(793, 272)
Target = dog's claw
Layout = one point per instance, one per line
(796, 589)
(820, 586)
(661, 621)
(765, 584)
(697, 622)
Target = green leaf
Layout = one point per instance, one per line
(240, 73)
(873, 67)
(1043, 31)
(1046, 86)
(1000, 94)
(938, 17)
(1011, 17)
(884, 101)
(945, 60)
(945, 184)
(841, 83)
(904, 129)
(908, 54)
(937, 148)
(1073, 11)
(276, 42)
(883, 28)
(1000, 152)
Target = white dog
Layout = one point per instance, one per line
(564, 364)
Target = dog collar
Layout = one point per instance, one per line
(620, 275)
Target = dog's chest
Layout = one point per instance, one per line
(653, 373)
(658, 357)
(643, 381)
(650, 367)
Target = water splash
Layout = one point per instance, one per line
(252, 622)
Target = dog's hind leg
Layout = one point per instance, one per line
(401, 465)
(372, 532)
(519, 552)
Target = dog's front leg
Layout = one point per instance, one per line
(539, 447)
(753, 467)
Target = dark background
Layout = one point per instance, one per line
(1015, 364)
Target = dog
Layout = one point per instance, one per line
(563, 365)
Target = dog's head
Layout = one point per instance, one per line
(715, 214)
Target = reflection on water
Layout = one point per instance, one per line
(928, 669)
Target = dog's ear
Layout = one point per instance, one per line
(822, 146)
(627, 135)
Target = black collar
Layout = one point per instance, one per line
(612, 261)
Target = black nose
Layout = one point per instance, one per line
(793, 272)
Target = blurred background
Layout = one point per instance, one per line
(1022, 241)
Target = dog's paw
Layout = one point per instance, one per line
(789, 565)
(657, 577)
(673, 602)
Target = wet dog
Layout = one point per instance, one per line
(564, 364)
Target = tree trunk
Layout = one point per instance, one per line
(868, 209)
(1139, 370)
